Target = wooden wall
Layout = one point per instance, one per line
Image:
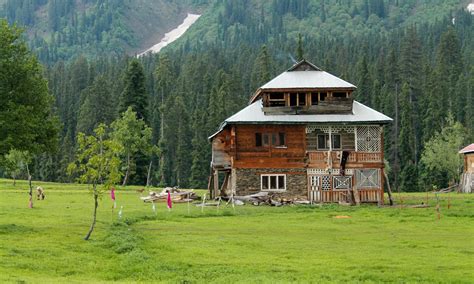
(469, 163)
(221, 149)
(248, 155)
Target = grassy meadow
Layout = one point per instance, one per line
(246, 244)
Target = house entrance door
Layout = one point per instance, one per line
(314, 188)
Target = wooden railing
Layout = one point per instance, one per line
(354, 157)
(328, 196)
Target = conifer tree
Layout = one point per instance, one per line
(135, 95)
(98, 106)
(300, 49)
(408, 175)
(363, 82)
(182, 158)
(262, 68)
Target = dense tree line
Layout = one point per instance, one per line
(417, 74)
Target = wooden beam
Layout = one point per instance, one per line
(216, 184)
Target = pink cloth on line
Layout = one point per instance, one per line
(112, 194)
(170, 204)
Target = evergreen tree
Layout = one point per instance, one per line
(98, 106)
(182, 158)
(135, 95)
(363, 82)
(262, 68)
(449, 66)
(200, 153)
(408, 177)
(300, 49)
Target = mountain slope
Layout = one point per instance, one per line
(61, 29)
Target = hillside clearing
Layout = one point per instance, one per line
(250, 244)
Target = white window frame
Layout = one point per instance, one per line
(269, 182)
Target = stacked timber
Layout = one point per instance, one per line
(263, 198)
(176, 195)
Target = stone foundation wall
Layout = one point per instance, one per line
(247, 181)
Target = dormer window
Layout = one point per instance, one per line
(297, 99)
(314, 99)
(276, 99)
(323, 96)
(339, 95)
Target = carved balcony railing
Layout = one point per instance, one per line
(354, 157)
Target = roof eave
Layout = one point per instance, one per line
(310, 122)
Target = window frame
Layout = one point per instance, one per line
(269, 182)
(276, 102)
(294, 99)
(326, 141)
(270, 139)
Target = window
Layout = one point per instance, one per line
(282, 140)
(258, 139)
(278, 139)
(276, 99)
(314, 99)
(323, 96)
(339, 95)
(323, 141)
(298, 99)
(301, 99)
(261, 139)
(293, 100)
(336, 141)
(274, 182)
(266, 140)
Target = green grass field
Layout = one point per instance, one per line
(248, 244)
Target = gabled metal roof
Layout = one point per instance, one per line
(467, 149)
(304, 75)
(253, 114)
(304, 65)
(306, 80)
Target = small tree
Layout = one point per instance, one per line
(97, 163)
(440, 155)
(15, 162)
(134, 136)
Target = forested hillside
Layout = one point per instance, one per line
(411, 60)
(63, 29)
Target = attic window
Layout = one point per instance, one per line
(323, 96)
(314, 99)
(339, 95)
(298, 99)
(276, 99)
(301, 99)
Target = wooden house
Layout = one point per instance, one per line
(467, 177)
(301, 136)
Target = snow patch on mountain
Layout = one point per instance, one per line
(173, 34)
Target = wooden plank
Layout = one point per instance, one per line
(216, 184)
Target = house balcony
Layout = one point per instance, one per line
(321, 157)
